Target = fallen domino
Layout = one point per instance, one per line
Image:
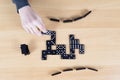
(80, 68)
(93, 69)
(56, 73)
(69, 69)
(71, 20)
(67, 21)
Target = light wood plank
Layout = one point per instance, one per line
(99, 32)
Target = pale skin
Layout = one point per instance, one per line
(31, 22)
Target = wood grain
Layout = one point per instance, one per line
(100, 32)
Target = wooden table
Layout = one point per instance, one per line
(100, 32)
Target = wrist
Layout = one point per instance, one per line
(24, 9)
(20, 4)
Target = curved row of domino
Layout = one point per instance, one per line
(71, 69)
(70, 20)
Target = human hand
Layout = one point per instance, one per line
(30, 21)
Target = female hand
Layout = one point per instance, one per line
(31, 22)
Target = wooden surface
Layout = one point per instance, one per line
(100, 32)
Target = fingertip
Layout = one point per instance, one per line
(43, 29)
(40, 26)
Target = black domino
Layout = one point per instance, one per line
(72, 56)
(47, 33)
(25, 49)
(71, 38)
(78, 18)
(61, 49)
(69, 69)
(82, 48)
(93, 69)
(53, 33)
(80, 68)
(51, 52)
(56, 73)
(53, 37)
(55, 20)
(49, 43)
(87, 13)
(44, 55)
(72, 51)
(65, 56)
(67, 21)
